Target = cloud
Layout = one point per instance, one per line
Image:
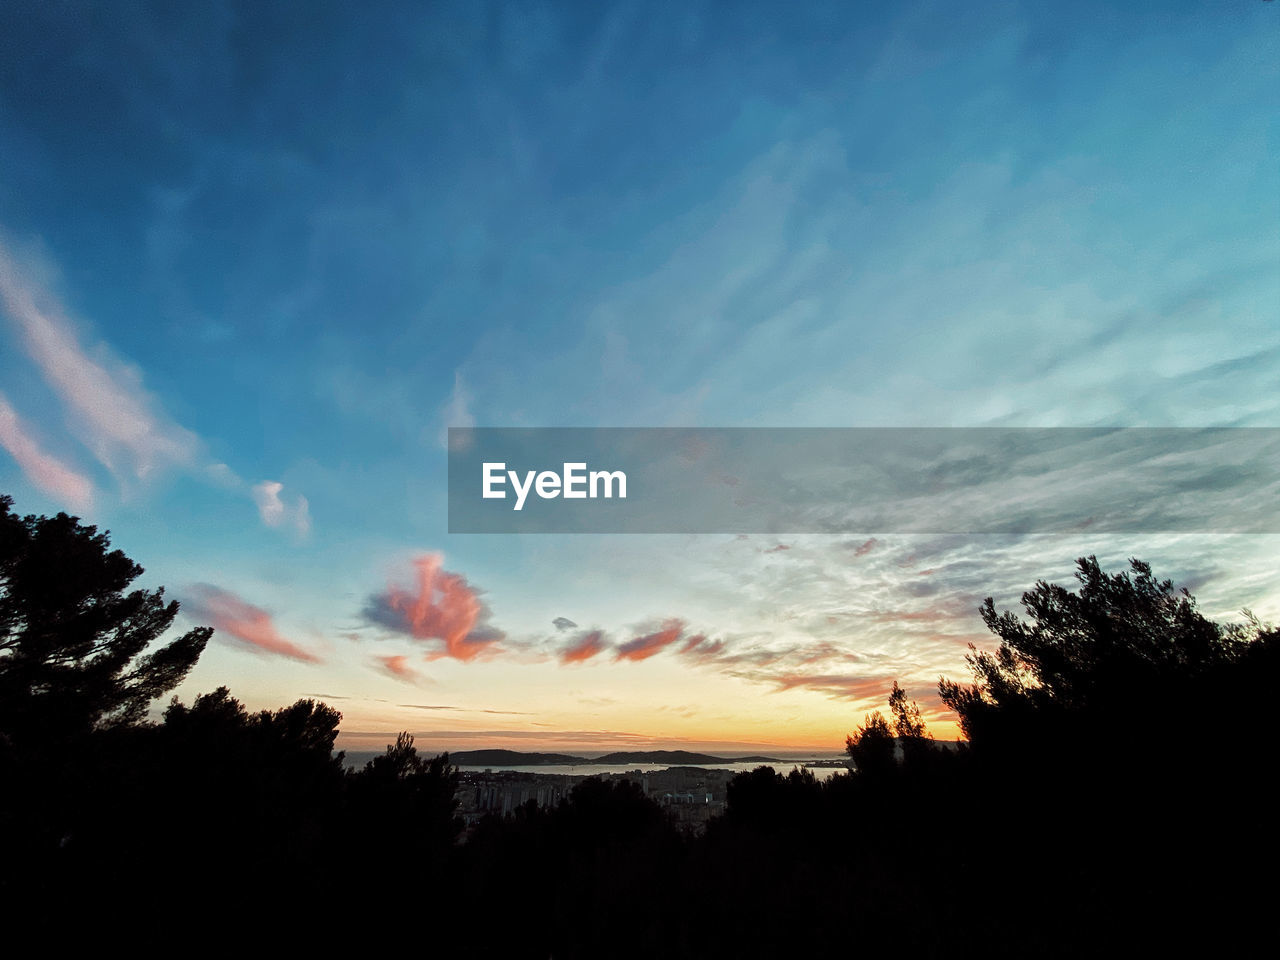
(583, 647)
(642, 648)
(250, 625)
(863, 548)
(397, 665)
(563, 623)
(442, 606)
(837, 686)
(427, 706)
(104, 397)
(699, 650)
(435, 706)
(223, 476)
(456, 413)
(44, 470)
(933, 615)
(107, 407)
(276, 513)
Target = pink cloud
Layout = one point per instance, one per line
(397, 665)
(249, 624)
(837, 686)
(45, 471)
(865, 547)
(105, 397)
(642, 648)
(583, 647)
(441, 606)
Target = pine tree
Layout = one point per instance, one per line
(76, 650)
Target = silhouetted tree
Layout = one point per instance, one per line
(73, 645)
(872, 747)
(912, 732)
(1125, 730)
(907, 721)
(1102, 655)
(400, 762)
(403, 807)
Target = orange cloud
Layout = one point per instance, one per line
(642, 648)
(249, 624)
(442, 606)
(398, 666)
(583, 647)
(836, 686)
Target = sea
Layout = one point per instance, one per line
(355, 759)
(599, 769)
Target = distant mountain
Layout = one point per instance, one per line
(679, 758)
(511, 758)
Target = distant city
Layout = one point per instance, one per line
(692, 788)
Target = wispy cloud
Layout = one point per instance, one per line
(104, 398)
(441, 606)
(43, 469)
(436, 706)
(275, 512)
(644, 647)
(251, 625)
(583, 647)
(701, 650)
(838, 686)
(457, 411)
(863, 548)
(107, 408)
(397, 665)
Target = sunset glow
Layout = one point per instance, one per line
(253, 270)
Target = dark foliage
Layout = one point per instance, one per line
(601, 874)
(1090, 816)
(1121, 650)
(872, 748)
(74, 646)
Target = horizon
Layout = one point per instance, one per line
(431, 744)
(253, 270)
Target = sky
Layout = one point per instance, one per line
(256, 258)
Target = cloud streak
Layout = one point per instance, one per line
(651, 644)
(397, 665)
(837, 686)
(456, 412)
(107, 408)
(104, 397)
(44, 470)
(251, 625)
(583, 647)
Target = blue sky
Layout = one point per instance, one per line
(253, 245)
